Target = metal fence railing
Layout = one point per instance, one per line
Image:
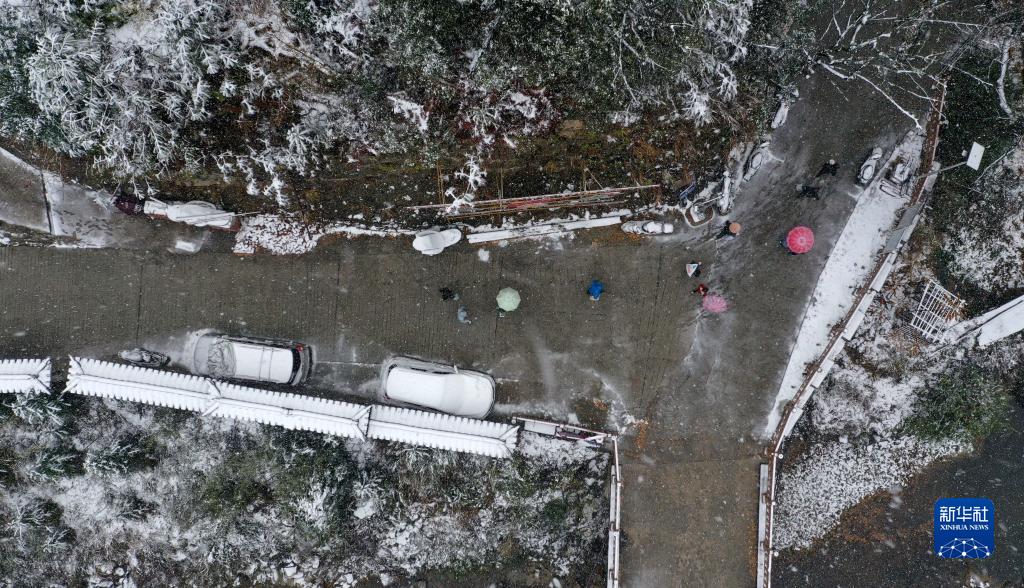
(595, 439)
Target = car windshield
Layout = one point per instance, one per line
(220, 363)
(296, 363)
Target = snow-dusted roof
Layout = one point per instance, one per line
(290, 411)
(442, 431)
(92, 377)
(25, 375)
(215, 398)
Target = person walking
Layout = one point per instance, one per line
(595, 290)
(730, 229)
(830, 168)
(808, 191)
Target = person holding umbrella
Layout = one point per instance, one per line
(731, 229)
(508, 300)
(799, 240)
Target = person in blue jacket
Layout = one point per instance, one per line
(595, 290)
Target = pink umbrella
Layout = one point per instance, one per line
(800, 239)
(715, 303)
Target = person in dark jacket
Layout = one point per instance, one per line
(830, 168)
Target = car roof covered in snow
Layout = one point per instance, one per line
(261, 362)
(463, 393)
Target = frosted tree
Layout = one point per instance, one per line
(681, 55)
(52, 463)
(1008, 41)
(897, 50)
(266, 92)
(41, 410)
(114, 458)
(130, 101)
(26, 514)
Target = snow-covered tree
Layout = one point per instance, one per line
(52, 463)
(114, 458)
(898, 50)
(266, 91)
(41, 410)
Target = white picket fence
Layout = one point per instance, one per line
(25, 375)
(210, 397)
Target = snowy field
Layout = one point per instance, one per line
(112, 494)
(989, 254)
(835, 476)
(283, 235)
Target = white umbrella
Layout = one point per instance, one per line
(508, 299)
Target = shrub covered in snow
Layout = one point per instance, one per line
(967, 402)
(264, 90)
(169, 499)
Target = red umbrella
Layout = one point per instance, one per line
(715, 303)
(800, 239)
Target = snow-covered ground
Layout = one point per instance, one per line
(989, 253)
(859, 442)
(23, 204)
(81, 217)
(86, 216)
(283, 235)
(158, 495)
(855, 402)
(847, 268)
(838, 475)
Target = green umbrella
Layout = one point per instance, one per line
(508, 299)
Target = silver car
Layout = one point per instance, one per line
(251, 359)
(421, 384)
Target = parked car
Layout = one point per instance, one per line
(870, 167)
(251, 359)
(427, 385)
